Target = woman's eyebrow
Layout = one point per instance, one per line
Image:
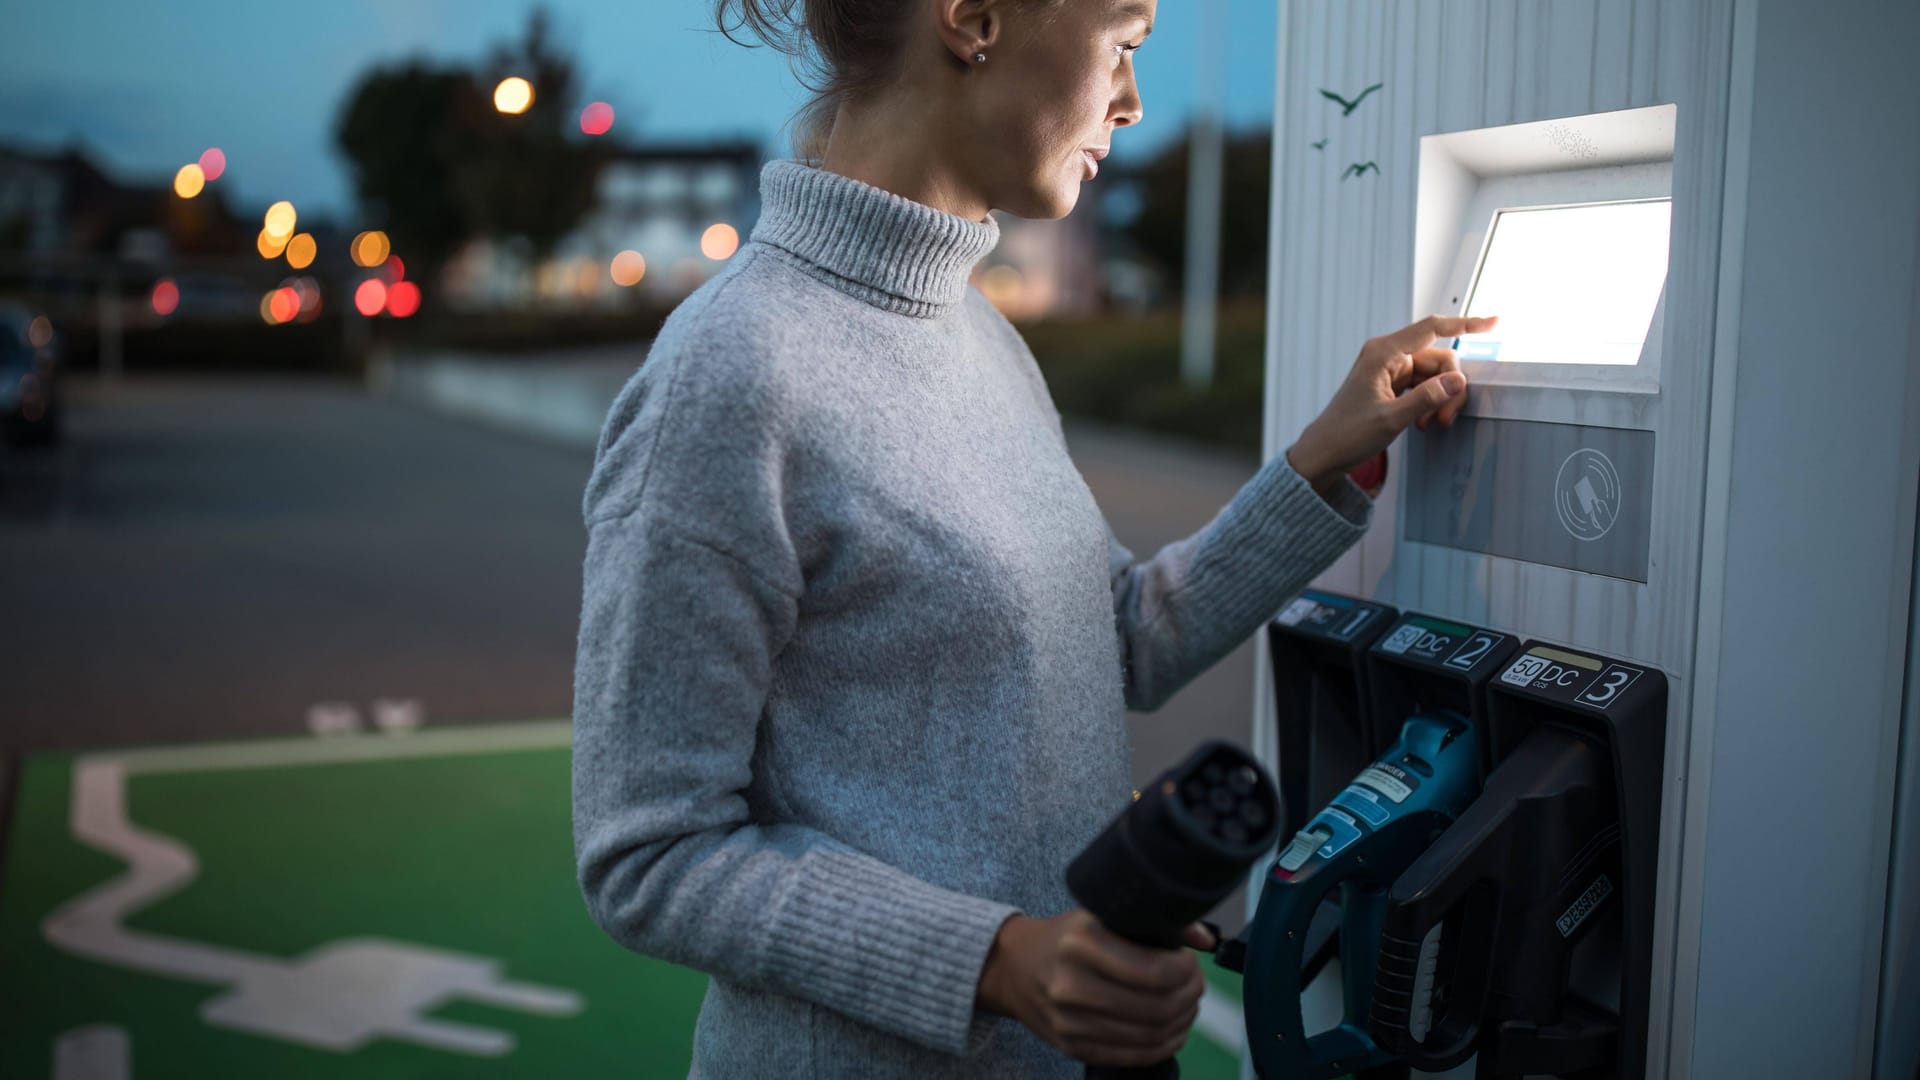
(1136, 10)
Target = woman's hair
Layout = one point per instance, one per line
(841, 50)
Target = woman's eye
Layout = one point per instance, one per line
(1126, 49)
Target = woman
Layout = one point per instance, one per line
(856, 646)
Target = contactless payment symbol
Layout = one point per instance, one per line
(1586, 494)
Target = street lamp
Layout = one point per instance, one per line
(513, 95)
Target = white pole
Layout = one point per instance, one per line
(1203, 203)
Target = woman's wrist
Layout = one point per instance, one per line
(1302, 460)
(995, 992)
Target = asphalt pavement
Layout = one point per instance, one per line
(216, 558)
(212, 558)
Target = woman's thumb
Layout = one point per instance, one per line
(1429, 395)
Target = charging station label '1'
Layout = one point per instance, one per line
(1391, 781)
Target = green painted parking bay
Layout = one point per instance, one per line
(358, 906)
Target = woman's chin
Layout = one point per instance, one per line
(1046, 199)
(1068, 200)
(1057, 203)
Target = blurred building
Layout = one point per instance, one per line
(667, 217)
(1076, 266)
(64, 204)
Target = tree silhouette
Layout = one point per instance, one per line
(436, 165)
(407, 132)
(1246, 174)
(533, 175)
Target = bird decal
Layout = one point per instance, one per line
(1321, 145)
(1360, 169)
(1347, 107)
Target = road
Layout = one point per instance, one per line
(211, 558)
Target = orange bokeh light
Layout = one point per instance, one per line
(628, 268)
(370, 297)
(188, 181)
(370, 249)
(719, 241)
(403, 299)
(166, 297)
(300, 251)
(213, 163)
(40, 331)
(268, 245)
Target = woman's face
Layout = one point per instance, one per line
(1050, 93)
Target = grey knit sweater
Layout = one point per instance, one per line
(856, 645)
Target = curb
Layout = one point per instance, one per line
(564, 397)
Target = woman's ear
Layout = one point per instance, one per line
(968, 27)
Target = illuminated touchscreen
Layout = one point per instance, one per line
(1571, 284)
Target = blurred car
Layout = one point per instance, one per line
(29, 377)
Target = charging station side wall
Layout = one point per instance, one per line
(1818, 526)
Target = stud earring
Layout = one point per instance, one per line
(980, 58)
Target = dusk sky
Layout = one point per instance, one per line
(145, 87)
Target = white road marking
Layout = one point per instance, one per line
(398, 716)
(266, 753)
(94, 1052)
(333, 718)
(338, 996)
(1222, 1021)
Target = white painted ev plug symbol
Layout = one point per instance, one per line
(344, 995)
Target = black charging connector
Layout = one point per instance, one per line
(1175, 853)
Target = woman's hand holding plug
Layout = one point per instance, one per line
(1399, 379)
(1098, 997)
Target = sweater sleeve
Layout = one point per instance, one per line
(685, 607)
(1181, 611)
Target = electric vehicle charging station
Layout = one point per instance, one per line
(1689, 458)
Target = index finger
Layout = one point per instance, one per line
(1427, 330)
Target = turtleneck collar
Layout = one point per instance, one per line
(886, 249)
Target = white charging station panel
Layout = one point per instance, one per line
(1753, 388)
(1559, 167)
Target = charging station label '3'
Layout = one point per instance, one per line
(1571, 677)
